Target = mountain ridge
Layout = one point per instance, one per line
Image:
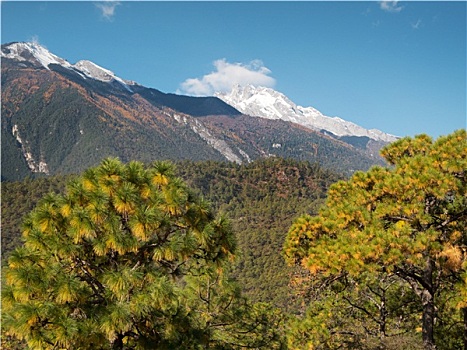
(62, 118)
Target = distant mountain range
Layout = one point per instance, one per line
(59, 117)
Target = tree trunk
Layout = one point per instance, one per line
(118, 342)
(424, 289)
(464, 313)
(428, 303)
(428, 321)
(382, 316)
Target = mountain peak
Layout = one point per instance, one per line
(262, 102)
(37, 54)
(268, 103)
(32, 52)
(92, 70)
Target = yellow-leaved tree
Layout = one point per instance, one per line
(405, 222)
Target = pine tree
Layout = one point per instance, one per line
(408, 220)
(105, 266)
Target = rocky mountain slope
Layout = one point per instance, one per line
(59, 117)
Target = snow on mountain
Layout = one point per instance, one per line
(28, 51)
(267, 103)
(92, 70)
(32, 51)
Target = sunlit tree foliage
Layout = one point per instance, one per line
(405, 223)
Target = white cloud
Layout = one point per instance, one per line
(226, 75)
(107, 8)
(417, 24)
(390, 6)
(35, 39)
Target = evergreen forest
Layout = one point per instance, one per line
(273, 254)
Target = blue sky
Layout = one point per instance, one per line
(396, 66)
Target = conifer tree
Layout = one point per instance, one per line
(408, 220)
(110, 265)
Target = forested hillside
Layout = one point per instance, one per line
(261, 199)
(18, 199)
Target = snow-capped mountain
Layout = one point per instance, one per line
(37, 54)
(268, 103)
(32, 52)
